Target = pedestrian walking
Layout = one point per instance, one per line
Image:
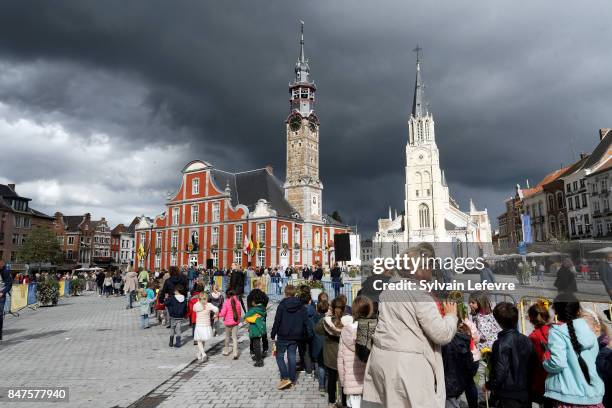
(100, 282)
(336, 279)
(510, 368)
(108, 285)
(258, 296)
(540, 319)
(288, 329)
(318, 341)
(237, 279)
(412, 326)
(566, 280)
(176, 305)
(203, 325)
(197, 289)
(331, 327)
(215, 297)
(572, 379)
(230, 312)
(6, 283)
(256, 318)
(351, 369)
(130, 284)
(144, 308)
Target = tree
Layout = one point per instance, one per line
(41, 246)
(336, 216)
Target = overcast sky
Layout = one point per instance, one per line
(103, 102)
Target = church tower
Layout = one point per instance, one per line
(303, 188)
(426, 194)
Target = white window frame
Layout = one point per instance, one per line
(174, 240)
(195, 214)
(261, 233)
(175, 215)
(195, 186)
(238, 235)
(261, 257)
(216, 212)
(284, 235)
(214, 237)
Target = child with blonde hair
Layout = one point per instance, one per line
(144, 307)
(203, 330)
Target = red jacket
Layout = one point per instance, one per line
(190, 312)
(539, 339)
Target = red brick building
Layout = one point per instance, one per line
(83, 240)
(212, 213)
(214, 210)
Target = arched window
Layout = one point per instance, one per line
(551, 203)
(560, 201)
(424, 216)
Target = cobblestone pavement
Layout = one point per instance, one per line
(92, 345)
(224, 382)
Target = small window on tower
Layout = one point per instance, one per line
(305, 93)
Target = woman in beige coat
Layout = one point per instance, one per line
(129, 286)
(405, 364)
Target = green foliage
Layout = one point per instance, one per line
(77, 286)
(48, 291)
(40, 246)
(315, 284)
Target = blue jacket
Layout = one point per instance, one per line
(318, 340)
(290, 321)
(7, 281)
(565, 381)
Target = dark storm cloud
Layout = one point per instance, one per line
(516, 89)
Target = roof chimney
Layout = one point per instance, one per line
(603, 132)
(12, 187)
(270, 169)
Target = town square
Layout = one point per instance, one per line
(305, 204)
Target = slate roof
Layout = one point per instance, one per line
(248, 187)
(7, 192)
(72, 222)
(600, 151)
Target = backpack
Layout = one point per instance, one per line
(365, 338)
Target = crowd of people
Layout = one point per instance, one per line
(388, 348)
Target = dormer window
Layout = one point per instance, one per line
(195, 186)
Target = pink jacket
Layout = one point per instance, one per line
(350, 368)
(227, 314)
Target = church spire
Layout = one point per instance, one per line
(302, 70)
(419, 107)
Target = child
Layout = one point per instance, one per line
(331, 327)
(351, 370)
(288, 329)
(572, 376)
(458, 363)
(151, 295)
(196, 290)
(317, 345)
(144, 307)
(509, 377)
(480, 312)
(539, 318)
(202, 329)
(258, 296)
(230, 312)
(176, 306)
(108, 284)
(215, 297)
(304, 345)
(256, 318)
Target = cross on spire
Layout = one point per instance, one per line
(418, 52)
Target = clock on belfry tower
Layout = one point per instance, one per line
(303, 189)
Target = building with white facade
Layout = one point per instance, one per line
(599, 191)
(430, 213)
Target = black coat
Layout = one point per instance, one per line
(237, 282)
(290, 321)
(175, 308)
(336, 274)
(100, 278)
(566, 281)
(317, 274)
(511, 359)
(458, 365)
(171, 282)
(604, 369)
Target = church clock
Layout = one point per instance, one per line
(295, 122)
